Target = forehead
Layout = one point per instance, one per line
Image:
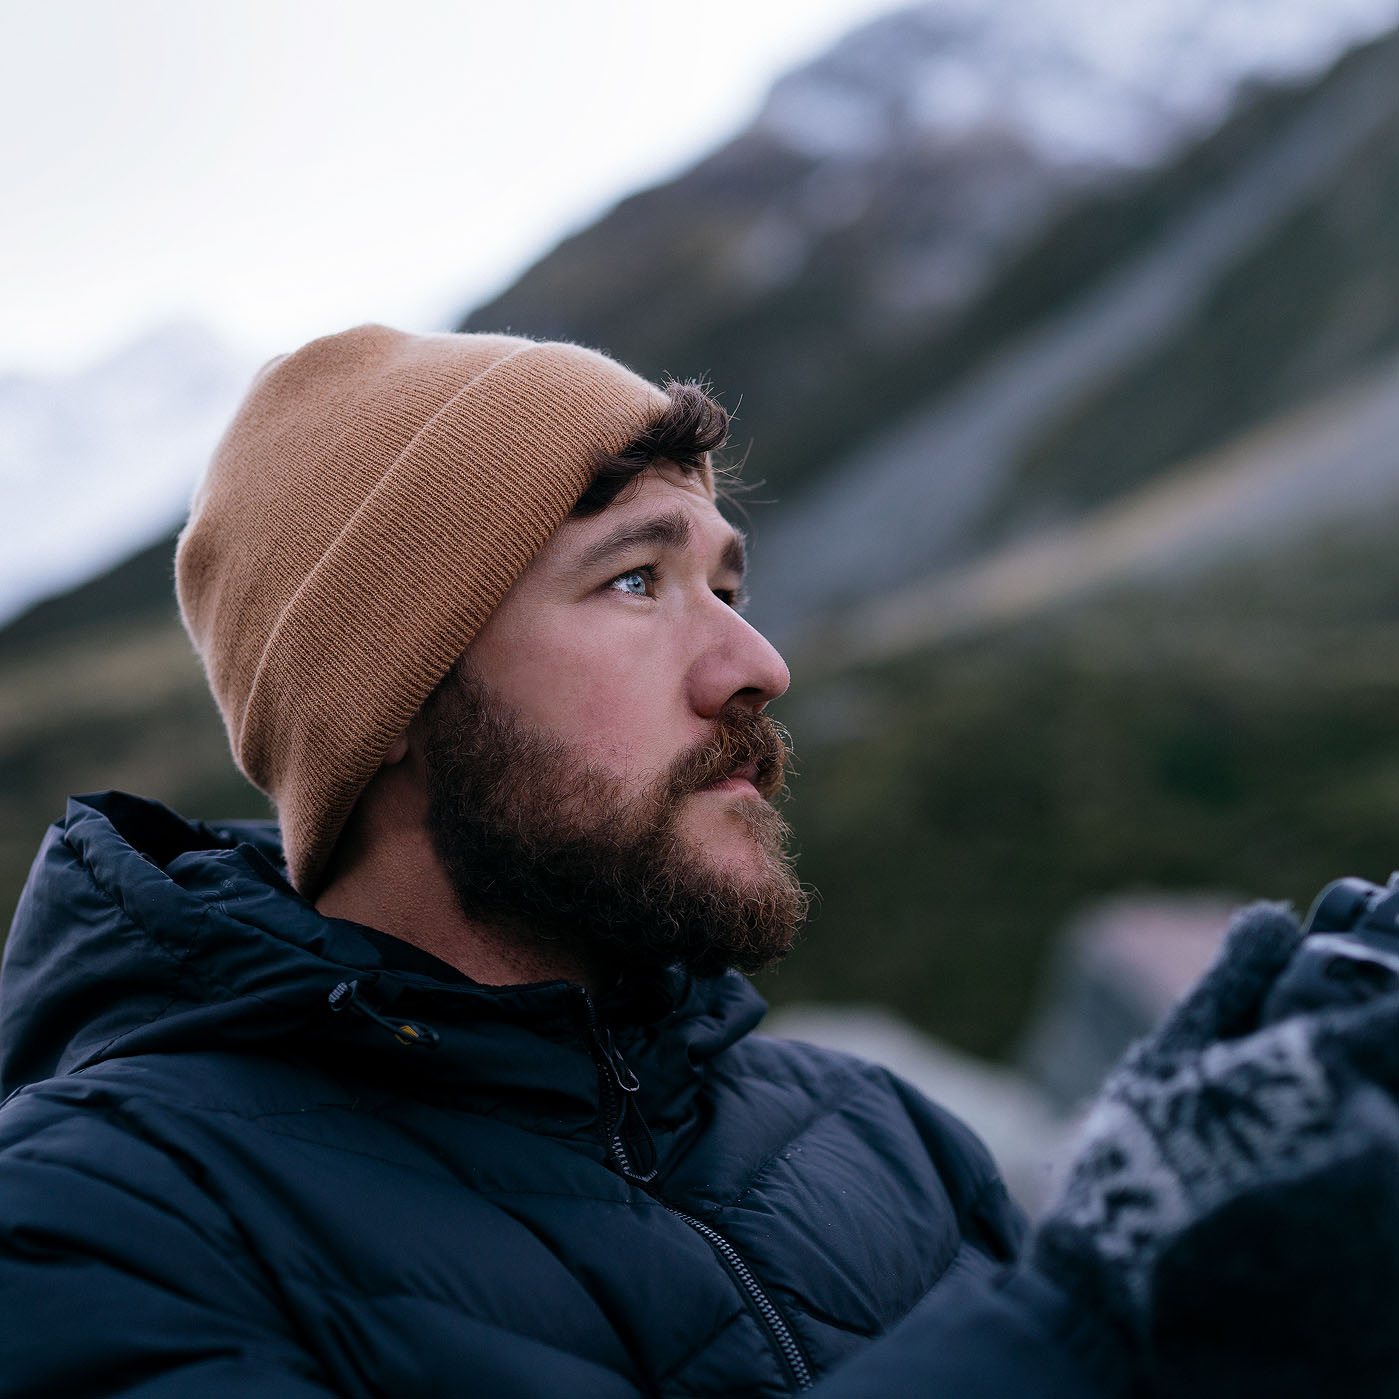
(664, 507)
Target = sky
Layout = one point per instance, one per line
(279, 168)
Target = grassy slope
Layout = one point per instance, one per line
(102, 689)
(1239, 733)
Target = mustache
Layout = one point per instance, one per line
(740, 739)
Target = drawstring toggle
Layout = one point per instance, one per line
(413, 1033)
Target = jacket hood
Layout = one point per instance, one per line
(139, 932)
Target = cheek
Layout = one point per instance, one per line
(611, 696)
(626, 709)
(623, 715)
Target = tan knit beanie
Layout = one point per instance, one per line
(372, 502)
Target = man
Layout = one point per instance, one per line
(445, 1086)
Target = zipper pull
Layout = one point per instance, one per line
(414, 1033)
(619, 1086)
(622, 1074)
(635, 1147)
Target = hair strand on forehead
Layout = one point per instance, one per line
(691, 427)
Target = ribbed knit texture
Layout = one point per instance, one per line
(373, 500)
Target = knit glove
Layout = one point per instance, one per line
(1234, 1206)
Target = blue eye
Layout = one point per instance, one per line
(635, 582)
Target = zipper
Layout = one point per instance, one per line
(619, 1084)
(783, 1340)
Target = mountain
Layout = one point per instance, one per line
(1084, 431)
(956, 356)
(1307, 475)
(97, 463)
(1144, 366)
(1193, 687)
(1082, 563)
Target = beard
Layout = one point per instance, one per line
(551, 849)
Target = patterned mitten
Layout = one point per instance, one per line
(1235, 1201)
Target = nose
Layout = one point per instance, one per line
(738, 666)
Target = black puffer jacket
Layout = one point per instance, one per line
(251, 1150)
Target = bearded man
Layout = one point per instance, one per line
(445, 1083)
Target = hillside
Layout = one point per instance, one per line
(1195, 687)
(939, 426)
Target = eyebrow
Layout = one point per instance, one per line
(670, 531)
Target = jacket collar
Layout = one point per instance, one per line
(140, 933)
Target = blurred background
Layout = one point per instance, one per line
(1062, 337)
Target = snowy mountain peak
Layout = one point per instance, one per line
(100, 462)
(1076, 81)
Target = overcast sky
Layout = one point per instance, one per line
(278, 168)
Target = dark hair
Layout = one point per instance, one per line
(691, 427)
